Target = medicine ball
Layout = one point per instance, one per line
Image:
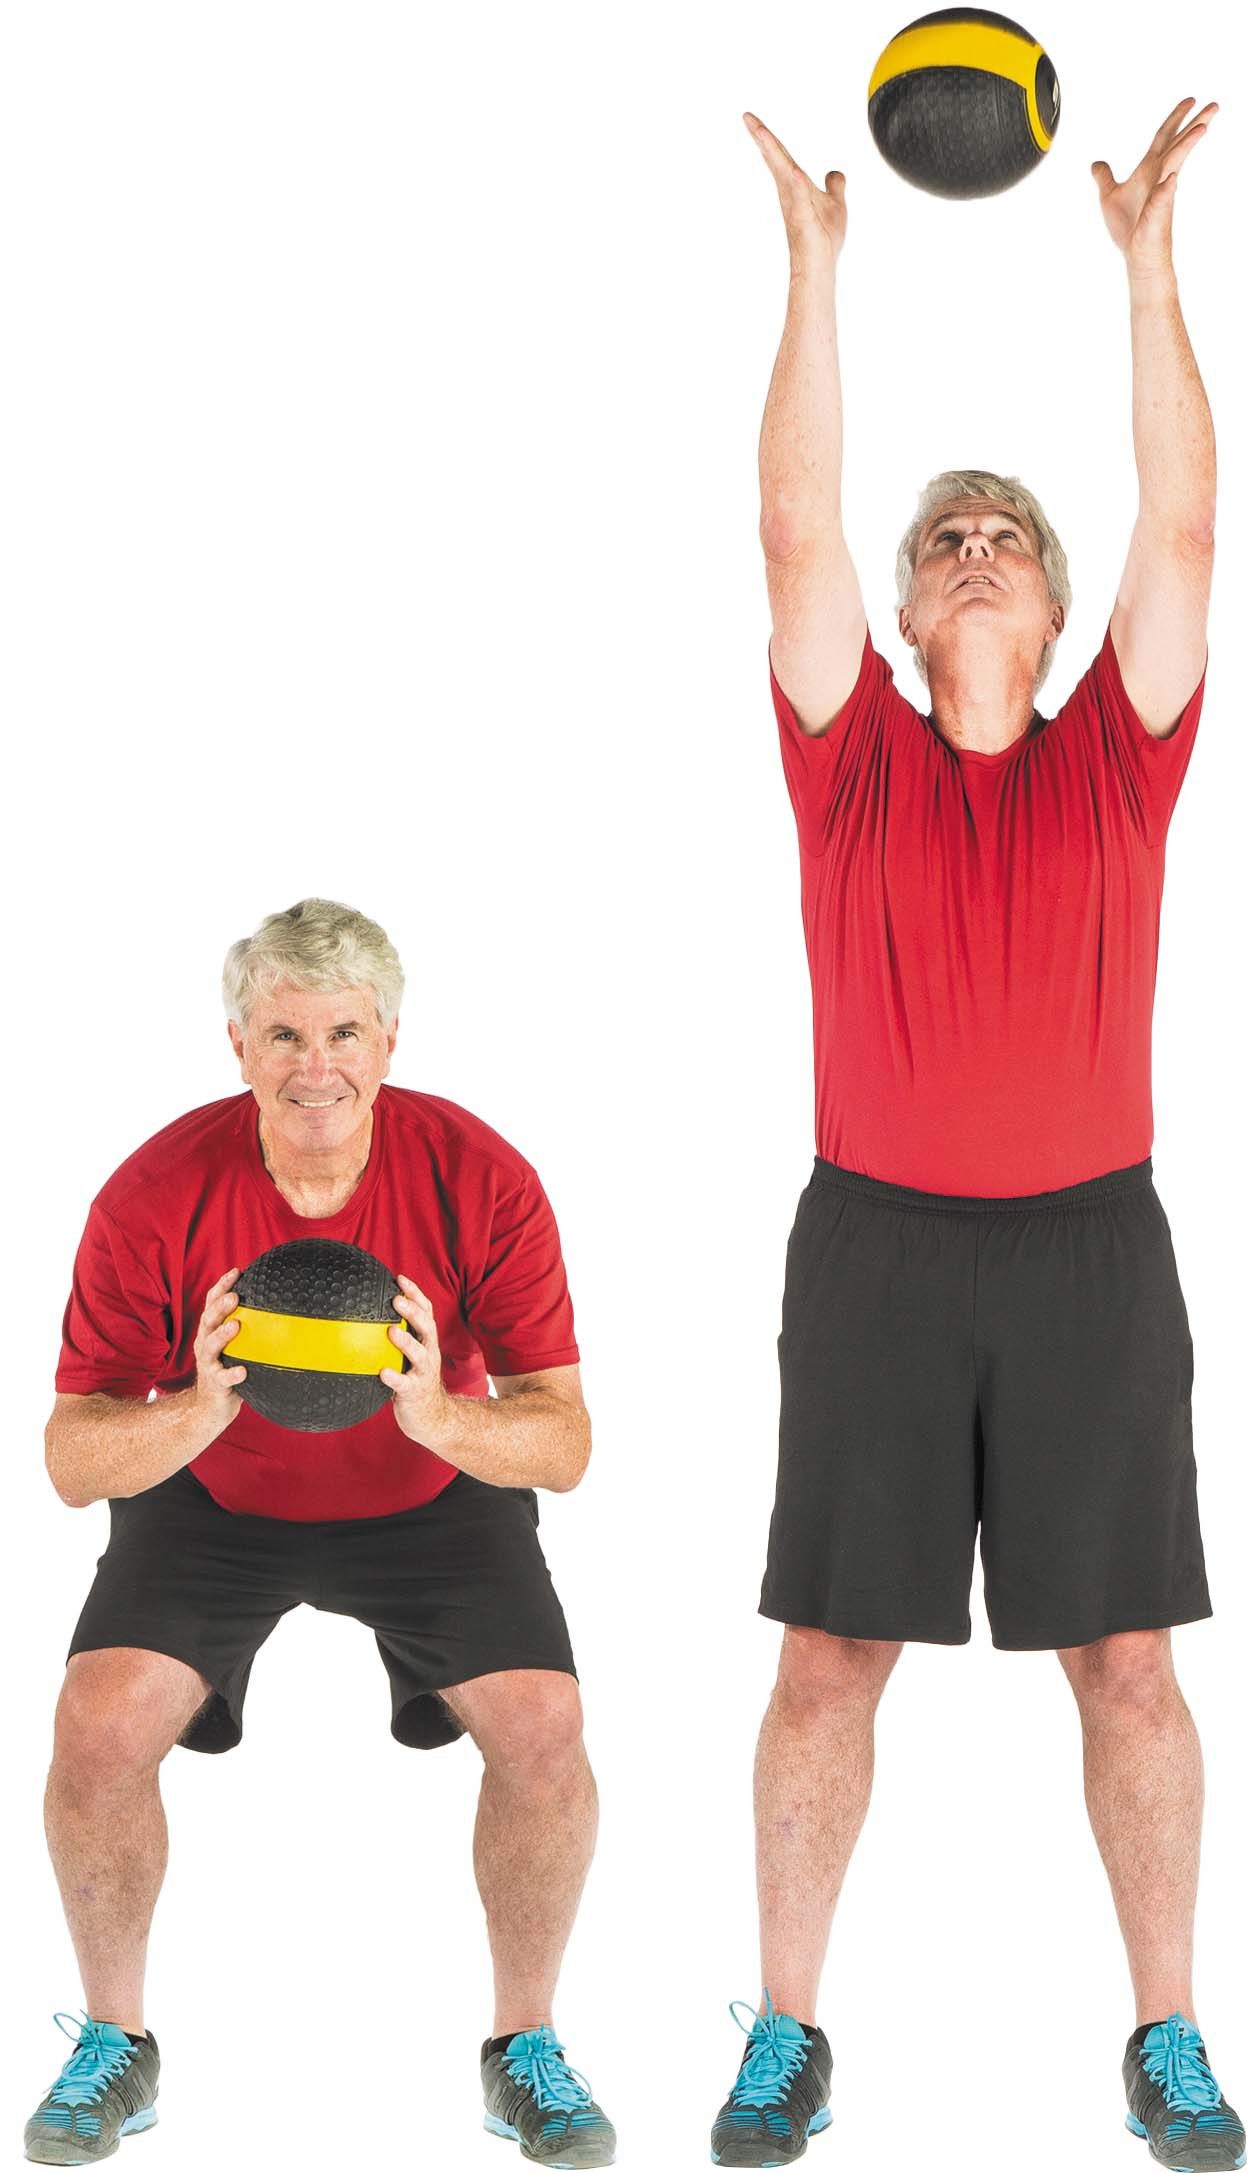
(963, 103)
(312, 1317)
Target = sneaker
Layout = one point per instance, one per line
(106, 2089)
(1173, 2100)
(537, 2100)
(780, 2095)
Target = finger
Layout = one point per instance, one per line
(214, 1342)
(223, 1283)
(1103, 176)
(412, 1348)
(1170, 120)
(393, 1380)
(413, 1290)
(231, 1376)
(830, 179)
(782, 163)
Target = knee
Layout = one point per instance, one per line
(819, 1673)
(1130, 1673)
(116, 1718)
(532, 1735)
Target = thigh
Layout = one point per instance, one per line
(185, 1578)
(453, 1590)
(873, 1530)
(1090, 1523)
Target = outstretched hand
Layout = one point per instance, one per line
(810, 213)
(1139, 211)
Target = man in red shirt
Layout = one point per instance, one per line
(983, 1327)
(420, 1521)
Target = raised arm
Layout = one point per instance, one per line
(1160, 616)
(818, 621)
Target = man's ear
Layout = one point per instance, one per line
(235, 1032)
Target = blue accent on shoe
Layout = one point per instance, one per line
(534, 2059)
(820, 2122)
(1173, 2057)
(138, 2121)
(495, 2126)
(1137, 2127)
(778, 2044)
(101, 2053)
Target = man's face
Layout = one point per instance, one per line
(978, 564)
(314, 1061)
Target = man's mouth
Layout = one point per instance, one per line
(986, 578)
(324, 1102)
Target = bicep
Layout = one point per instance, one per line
(819, 627)
(1159, 624)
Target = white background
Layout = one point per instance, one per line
(382, 396)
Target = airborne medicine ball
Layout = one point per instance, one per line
(312, 1317)
(963, 103)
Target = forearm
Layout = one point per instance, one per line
(104, 1448)
(1173, 426)
(531, 1438)
(800, 450)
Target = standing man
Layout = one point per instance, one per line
(983, 1324)
(421, 1521)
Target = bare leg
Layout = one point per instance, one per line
(812, 1784)
(119, 1712)
(536, 1824)
(1144, 1783)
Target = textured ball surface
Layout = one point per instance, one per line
(313, 1316)
(963, 103)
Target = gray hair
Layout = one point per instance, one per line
(315, 944)
(979, 483)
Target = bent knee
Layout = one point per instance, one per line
(818, 1669)
(120, 1710)
(527, 1724)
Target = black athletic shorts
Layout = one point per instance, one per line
(1022, 1365)
(453, 1589)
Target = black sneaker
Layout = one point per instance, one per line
(780, 2095)
(106, 2089)
(1173, 2099)
(537, 2100)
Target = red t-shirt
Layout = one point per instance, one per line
(443, 1199)
(982, 934)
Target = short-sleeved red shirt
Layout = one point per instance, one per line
(443, 1199)
(982, 933)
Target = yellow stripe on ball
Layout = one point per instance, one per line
(311, 1346)
(966, 45)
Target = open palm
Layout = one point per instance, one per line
(1140, 210)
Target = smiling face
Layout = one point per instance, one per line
(978, 567)
(314, 1060)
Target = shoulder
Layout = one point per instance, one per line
(450, 1137)
(203, 1139)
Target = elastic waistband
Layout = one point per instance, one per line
(954, 1203)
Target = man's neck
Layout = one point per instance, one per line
(982, 702)
(317, 1185)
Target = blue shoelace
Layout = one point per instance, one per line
(92, 2065)
(772, 2061)
(543, 2070)
(1178, 2066)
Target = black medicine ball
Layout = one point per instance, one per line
(313, 1316)
(963, 103)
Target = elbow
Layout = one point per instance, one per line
(576, 1460)
(67, 1484)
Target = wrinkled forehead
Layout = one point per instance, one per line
(313, 1010)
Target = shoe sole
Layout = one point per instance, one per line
(575, 2159)
(1137, 2127)
(821, 2121)
(135, 2125)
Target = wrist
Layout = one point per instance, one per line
(439, 1425)
(1148, 282)
(812, 259)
